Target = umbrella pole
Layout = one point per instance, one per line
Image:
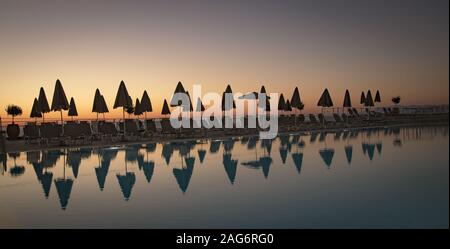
(123, 115)
(61, 117)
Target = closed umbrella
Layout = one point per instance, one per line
(72, 109)
(200, 107)
(362, 99)
(43, 103)
(178, 89)
(325, 100)
(59, 102)
(103, 106)
(165, 109)
(228, 95)
(146, 104)
(288, 106)
(295, 100)
(137, 108)
(122, 100)
(369, 101)
(281, 103)
(377, 97)
(347, 101)
(97, 102)
(36, 110)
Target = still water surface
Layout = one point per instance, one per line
(377, 178)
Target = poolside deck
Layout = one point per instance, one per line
(396, 121)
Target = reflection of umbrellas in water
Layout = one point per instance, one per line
(126, 183)
(50, 158)
(228, 144)
(214, 146)
(132, 153)
(64, 187)
(337, 135)
(283, 154)
(284, 140)
(379, 147)
(323, 136)
(148, 168)
(106, 155)
(298, 159)
(349, 153)
(370, 150)
(230, 166)
(167, 151)
(46, 181)
(313, 137)
(327, 156)
(265, 163)
(267, 144)
(183, 175)
(3, 160)
(252, 141)
(201, 155)
(74, 161)
(150, 147)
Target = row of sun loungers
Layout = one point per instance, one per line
(80, 133)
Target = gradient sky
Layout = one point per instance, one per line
(398, 47)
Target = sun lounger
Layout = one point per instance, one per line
(31, 133)
(166, 127)
(50, 132)
(313, 119)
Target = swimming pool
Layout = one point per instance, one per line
(372, 178)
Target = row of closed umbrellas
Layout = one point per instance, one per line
(124, 100)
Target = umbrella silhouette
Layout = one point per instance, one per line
(313, 137)
(214, 146)
(288, 107)
(165, 109)
(228, 144)
(43, 103)
(64, 188)
(347, 100)
(137, 109)
(72, 109)
(36, 110)
(97, 102)
(74, 161)
(348, 153)
(362, 99)
(295, 100)
(146, 104)
(230, 166)
(267, 144)
(201, 155)
(325, 100)
(379, 147)
(166, 152)
(281, 103)
(298, 159)
(265, 162)
(199, 106)
(369, 100)
(377, 97)
(150, 147)
(148, 168)
(227, 99)
(59, 102)
(327, 156)
(183, 175)
(178, 89)
(126, 183)
(122, 100)
(370, 150)
(101, 172)
(46, 181)
(283, 154)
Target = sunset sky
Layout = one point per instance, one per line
(398, 47)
